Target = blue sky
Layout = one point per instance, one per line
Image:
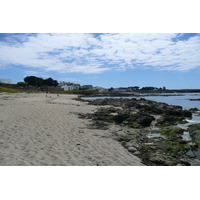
(108, 59)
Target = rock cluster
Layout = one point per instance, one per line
(138, 115)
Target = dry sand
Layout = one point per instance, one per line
(43, 131)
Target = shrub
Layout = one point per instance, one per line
(22, 84)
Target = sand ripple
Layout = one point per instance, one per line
(36, 130)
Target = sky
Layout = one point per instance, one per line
(104, 59)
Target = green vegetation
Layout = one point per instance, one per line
(171, 131)
(22, 84)
(111, 89)
(175, 146)
(83, 92)
(151, 88)
(194, 130)
(36, 81)
(9, 85)
(183, 122)
(18, 85)
(2, 89)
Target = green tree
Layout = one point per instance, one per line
(22, 84)
(49, 81)
(30, 80)
(136, 87)
(149, 88)
(37, 81)
(55, 83)
(110, 89)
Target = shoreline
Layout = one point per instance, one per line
(40, 130)
(153, 132)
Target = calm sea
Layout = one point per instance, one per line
(178, 99)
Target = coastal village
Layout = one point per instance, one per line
(69, 86)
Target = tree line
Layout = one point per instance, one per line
(37, 81)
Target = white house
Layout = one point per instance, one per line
(68, 86)
(8, 81)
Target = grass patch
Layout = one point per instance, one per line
(183, 122)
(194, 130)
(83, 92)
(2, 89)
(171, 131)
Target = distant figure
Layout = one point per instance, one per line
(46, 95)
(58, 95)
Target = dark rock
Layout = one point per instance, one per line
(123, 143)
(145, 120)
(193, 109)
(193, 145)
(187, 113)
(186, 162)
(122, 116)
(194, 99)
(171, 114)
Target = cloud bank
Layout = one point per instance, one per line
(98, 53)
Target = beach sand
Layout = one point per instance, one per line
(36, 130)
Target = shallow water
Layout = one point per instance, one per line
(186, 136)
(178, 99)
(154, 135)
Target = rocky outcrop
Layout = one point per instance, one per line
(138, 115)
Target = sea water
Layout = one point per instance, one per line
(179, 99)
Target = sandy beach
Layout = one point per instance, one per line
(36, 130)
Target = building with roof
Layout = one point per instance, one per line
(88, 87)
(7, 81)
(68, 86)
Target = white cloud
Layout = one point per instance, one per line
(83, 53)
(31, 73)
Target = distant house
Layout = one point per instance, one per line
(89, 87)
(133, 88)
(100, 89)
(8, 81)
(120, 89)
(69, 86)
